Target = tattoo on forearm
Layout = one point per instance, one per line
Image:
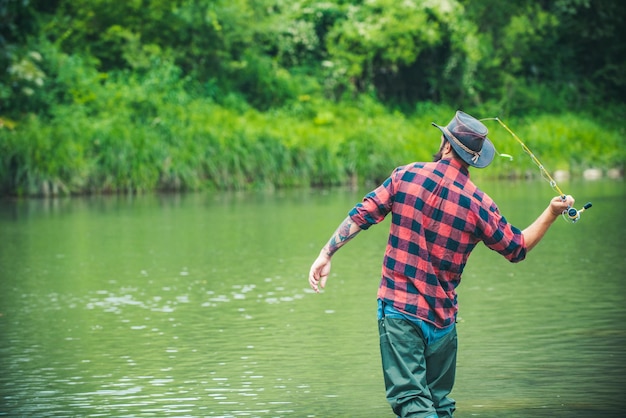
(341, 236)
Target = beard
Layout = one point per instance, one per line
(439, 154)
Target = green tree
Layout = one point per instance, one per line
(591, 47)
(549, 55)
(377, 40)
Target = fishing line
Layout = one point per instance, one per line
(570, 214)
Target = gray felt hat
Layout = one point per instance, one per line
(468, 137)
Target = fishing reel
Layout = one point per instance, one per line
(573, 215)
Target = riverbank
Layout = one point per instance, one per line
(196, 145)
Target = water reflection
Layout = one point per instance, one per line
(197, 305)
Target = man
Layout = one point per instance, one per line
(438, 217)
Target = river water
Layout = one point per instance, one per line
(197, 305)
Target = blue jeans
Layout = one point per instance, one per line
(431, 332)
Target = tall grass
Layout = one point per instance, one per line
(138, 134)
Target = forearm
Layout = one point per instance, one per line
(344, 233)
(321, 266)
(536, 231)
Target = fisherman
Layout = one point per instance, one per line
(438, 216)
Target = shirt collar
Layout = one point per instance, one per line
(454, 163)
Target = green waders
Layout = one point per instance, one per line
(418, 376)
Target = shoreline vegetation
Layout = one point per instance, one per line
(173, 142)
(102, 96)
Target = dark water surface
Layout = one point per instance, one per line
(197, 305)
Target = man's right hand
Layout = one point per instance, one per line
(319, 272)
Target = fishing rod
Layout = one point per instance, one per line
(570, 214)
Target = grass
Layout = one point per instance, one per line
(140, 135)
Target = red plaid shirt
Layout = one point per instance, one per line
(438, 217)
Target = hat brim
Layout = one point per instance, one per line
(486, 153)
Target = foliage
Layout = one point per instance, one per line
(104, 96)
(464, 52)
